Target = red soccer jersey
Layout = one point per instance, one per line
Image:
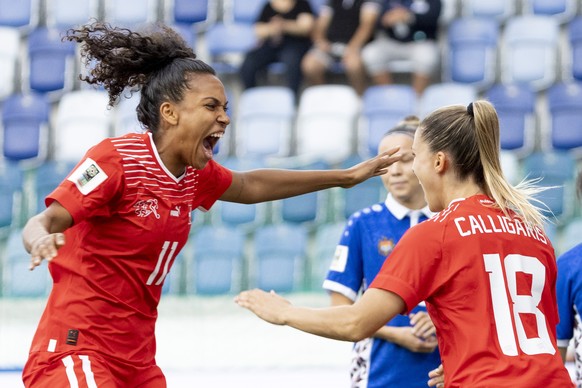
(131, 218)
(489, 284)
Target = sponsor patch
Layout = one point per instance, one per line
(88, 176)
(340, 259)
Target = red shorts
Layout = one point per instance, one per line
(87, 370)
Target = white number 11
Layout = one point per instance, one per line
(521, 303)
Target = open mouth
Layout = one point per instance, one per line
(210, 141)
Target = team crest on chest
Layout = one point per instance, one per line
(146, 207)
(385, 246)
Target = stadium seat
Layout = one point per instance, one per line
(19, 280)
(243, 11)
(556, 170)
(362, 195)
(125, 117)
(472, 51)
(496, 9)
(82, 120)
(327, 237)
(25, 119)
(190, 12)
(326, 122)
(443, 94)
(187, 32)
(515, 106)
(11, 189)
(264, 121)
(565, 112)
(280, 251)
(9, 59)
(561, 10)
(50, 61)
(235, 214)
(574, 59)
(510, 166)
(63, 14)
(529, 51)
(130, 13)
(306, 208)
(22, 14)
(383, 106)
(218, 260)
(227, 43)
(570, 236)
(47, 177)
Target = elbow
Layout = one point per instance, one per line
(358, 329)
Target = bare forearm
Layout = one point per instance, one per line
(34, 229)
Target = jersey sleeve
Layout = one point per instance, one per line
(214, 180)
(346, 270)
(95, 182)
(414, 270)
(565, 327)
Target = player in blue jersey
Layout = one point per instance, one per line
(569, 294)
(403, 352)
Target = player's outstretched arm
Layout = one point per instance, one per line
(347, 323)
(42, 235)
(271, 184)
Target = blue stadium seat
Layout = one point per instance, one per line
(515, 106)
(383, 106)
(529, 51)
(187, 32)
(264, 121)
(280, 251)
(472, 51)
(218, 260)
(362, 195)
(22, 14)
(561, 10)
(496, 9)
(11, 189)
(25, 119)
(244, 11)
(556, 170)
(47, 177)
(575, 39)
(327, 237)
(227, 43)
(50, 61)
(63, 14)
(447, 93)
(565, 108)
(327, 121)
(189, 12)
(19, 281)
(9, 60)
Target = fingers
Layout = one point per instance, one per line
(437, 377)
(422, 325)
(46, 248)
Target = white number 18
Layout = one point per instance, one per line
(512, 264)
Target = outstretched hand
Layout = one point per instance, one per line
(375, 166)
(266, 305)
(45, 248)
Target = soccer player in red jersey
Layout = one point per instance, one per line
(113, 227)
(483, 265)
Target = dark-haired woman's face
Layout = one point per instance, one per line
(202, 120)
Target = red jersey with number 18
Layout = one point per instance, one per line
(131, 219)
(489, 284)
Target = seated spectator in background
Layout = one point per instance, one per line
(341, 30)
(408, 31)
(283, 28)
(569, 293)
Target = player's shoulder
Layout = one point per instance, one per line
(368, 214)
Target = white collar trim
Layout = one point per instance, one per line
(400, 211)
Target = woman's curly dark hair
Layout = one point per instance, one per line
(155, 62)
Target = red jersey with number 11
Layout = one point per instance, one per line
(489, 284)
(131, 219)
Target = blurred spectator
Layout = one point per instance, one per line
(408, 31)
(341, 30)
(283, 29)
